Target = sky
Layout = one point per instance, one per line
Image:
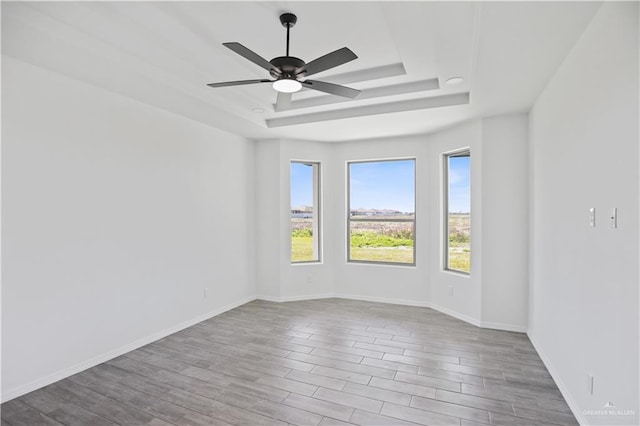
(385, 185)
(301, 185)
(459, 185)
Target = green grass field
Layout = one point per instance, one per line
(387, 242)
(302, 251)
(382, 242)
(460, 242)
(301, 245)
(383, 254)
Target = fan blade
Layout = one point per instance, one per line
(334, 89)
(238, 83)
(252, 56)
(330, 60)
(283, 102)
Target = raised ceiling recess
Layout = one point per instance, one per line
(163, 53)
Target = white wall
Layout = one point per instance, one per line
(308, 279)
(116, 216)
(404, 284)
(466, 301)
(277, 278)
(494, 295)
(268, 249)
(505, 222)
(584, 281)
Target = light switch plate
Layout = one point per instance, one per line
(592, 217)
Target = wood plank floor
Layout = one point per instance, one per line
(321, 362)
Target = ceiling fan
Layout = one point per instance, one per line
(288, 71)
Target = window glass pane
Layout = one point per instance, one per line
(305, 224)
(382, 211)
(458, 254)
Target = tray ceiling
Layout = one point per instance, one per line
(164, 53)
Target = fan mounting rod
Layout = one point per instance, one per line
(288, 20)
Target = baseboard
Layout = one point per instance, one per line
(343, 296)
(457, 315)
(268, 298)
(503, 327)
(573, 406)
(295, 298)
(442, 309)
(403, 302)
(77, 368)
(70, 371)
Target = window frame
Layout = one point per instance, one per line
(349, 218)
(316, 226)
(460, 152)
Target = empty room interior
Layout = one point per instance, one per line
(320, 213)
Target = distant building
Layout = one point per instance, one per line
(376, 212)
(304, 212)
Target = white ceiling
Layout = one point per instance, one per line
(164, 53)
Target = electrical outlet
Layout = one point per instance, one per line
(592, 217)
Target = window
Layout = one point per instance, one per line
(305, 212)
(381, 205)
(457, 211)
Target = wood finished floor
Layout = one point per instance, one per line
(321, 362)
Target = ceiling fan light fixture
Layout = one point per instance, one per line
(287, 85)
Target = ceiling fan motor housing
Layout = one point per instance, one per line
(288, 66)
